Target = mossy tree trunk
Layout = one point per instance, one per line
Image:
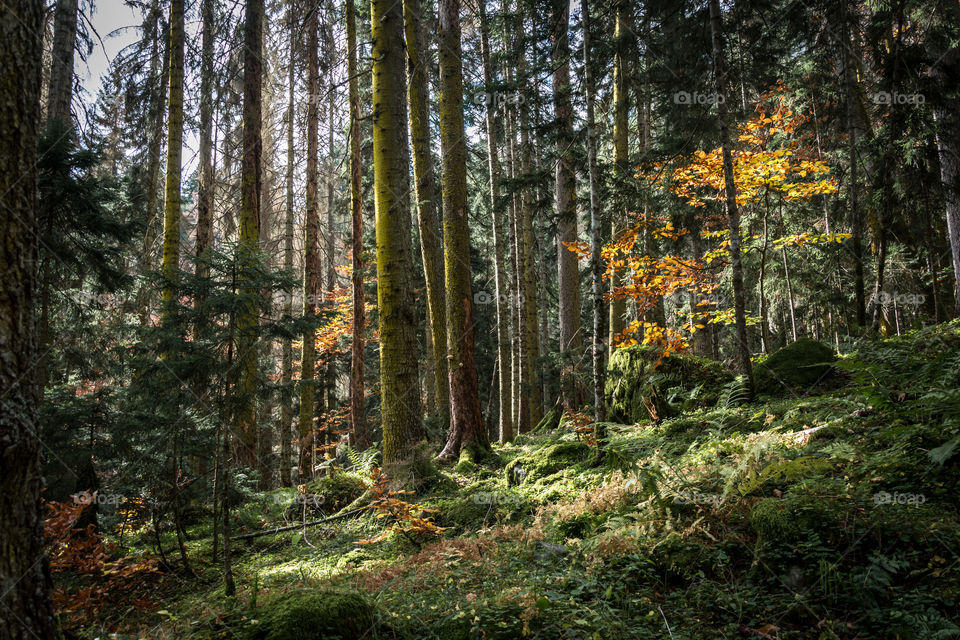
(565, 201)
(311, 254)
(60, 87)
(418, 91)
(496, 208)
(24, 574)
(596, 266)
(206, 183)
(171, 206)
(358, 421)
(466, 423)
(399, 383)
(245, 422)
(742, 347)
(621, 114)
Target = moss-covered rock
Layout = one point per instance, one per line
(541, 463)
(328, 494)
(315, 615)
(639, 381)
(796, 517)
(801, 364)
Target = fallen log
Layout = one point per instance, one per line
(300, 525)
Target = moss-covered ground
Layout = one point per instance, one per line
(817, 512)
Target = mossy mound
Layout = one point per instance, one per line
(546, 461)
(794, 518)
(551, 420)
(328, 494)
(639, 383)
(801, 364)
(316, 615)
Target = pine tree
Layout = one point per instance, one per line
(399, 384)
(467, 430)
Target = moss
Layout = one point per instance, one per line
(474, 455)
(329, 494)
(543, 462)
(773, 520)
(315, 615)
(801, 364)
(796, 517)
(637, 387)
(551, 420)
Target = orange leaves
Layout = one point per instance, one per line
(772, 159)
(582, 425)
(582, 249)
(407, 518)
(801, 239)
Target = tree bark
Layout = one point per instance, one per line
(466, 421)
(418, 92)
(399, 384)
(358, 422)
(621, 113)
(568, 274)
(206, 183)
(60, 89)
(496, 207)
(250, 190)
(286, 358)
(171, 207)
(733, 214)
(596, 266)
(311, 256)
(24, 573)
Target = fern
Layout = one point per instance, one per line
(734, 394)
(362, 461)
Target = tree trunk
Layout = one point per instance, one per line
(206, 183)
(733, 214)
(567, 269)
(358, 421)
(425, 182)
(24, 574)
(466, 422)
(947, 114)
(596, 265)
(621, 114)
(399, 384)
(171, 207)
(286, 359)
(856, 218)
(311, 257)
(496, 207)
(250, 177)
(60, 89)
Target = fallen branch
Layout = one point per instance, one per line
(299, 525)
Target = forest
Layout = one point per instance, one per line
(480, 319)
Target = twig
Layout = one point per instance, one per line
(257, 534)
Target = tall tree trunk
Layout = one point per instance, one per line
(733, 214)
(171, 207)
(358, 416)
(205, 187)
(496, 207)
(60, 89)
(399, 384)
(621, 113)
(568, 274)
(947, 114)
(596, 266)
(250, 182)
(24, 574)
(331, 274)
(311, 257)
(431, 250)
(466, 422)
(286, 359)
(851, 92)
(531, 365)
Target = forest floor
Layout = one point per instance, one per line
(829, 512)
